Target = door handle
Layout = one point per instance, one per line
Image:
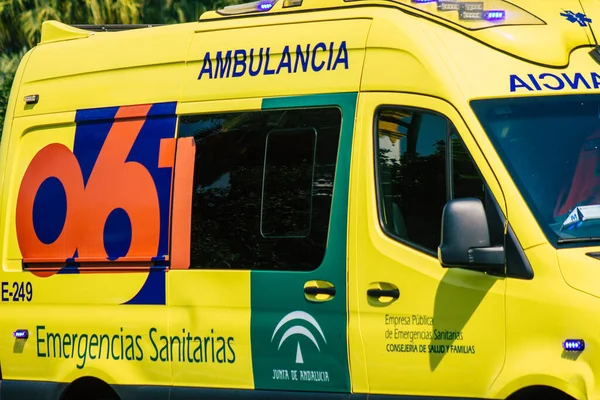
(382, 294)
(394, 293)
(311, 290)
(319, 291)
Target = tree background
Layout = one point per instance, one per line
(21, 23)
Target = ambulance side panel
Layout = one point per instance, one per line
(87, 202)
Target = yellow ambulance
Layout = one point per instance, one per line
(306, 199)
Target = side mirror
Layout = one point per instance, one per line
(465, 239)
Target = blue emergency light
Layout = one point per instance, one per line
(494, 15)
(265, 5)
(21, 334)
(574, 345)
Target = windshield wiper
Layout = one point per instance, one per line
(578, 240)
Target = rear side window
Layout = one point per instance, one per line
(288, 182)
(263, 188)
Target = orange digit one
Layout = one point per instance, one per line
(53, 161)
(116, 183)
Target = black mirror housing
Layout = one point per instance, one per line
(466, 238)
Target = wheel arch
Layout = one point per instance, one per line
(89, 387)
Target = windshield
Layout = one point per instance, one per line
(551, 147)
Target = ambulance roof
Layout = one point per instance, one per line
(544, 32)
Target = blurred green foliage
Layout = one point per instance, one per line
(21, 23)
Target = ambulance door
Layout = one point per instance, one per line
(208, 345)
(258, 285)
(426, 330)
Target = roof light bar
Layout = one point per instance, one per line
(467, 10)
(247, 8)
(472, 14)
(470, 6)
(448, 5)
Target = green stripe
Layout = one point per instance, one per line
(277, 294)
(347, 103)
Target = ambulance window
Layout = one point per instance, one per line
(411, 154)
(421, 164)
(263, 188)
(287, 203)
(466, 179)
(468, 182)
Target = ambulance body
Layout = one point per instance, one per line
(318, 199)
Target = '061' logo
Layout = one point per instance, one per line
(107, 199)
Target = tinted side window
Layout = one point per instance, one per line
(466, 179)
(263, 188)
(421, 164)
(411, 155)
(288, 182)
(468, 182)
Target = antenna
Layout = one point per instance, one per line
(595, 53)
(590, 25)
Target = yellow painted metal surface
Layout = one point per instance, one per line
(390, 53)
